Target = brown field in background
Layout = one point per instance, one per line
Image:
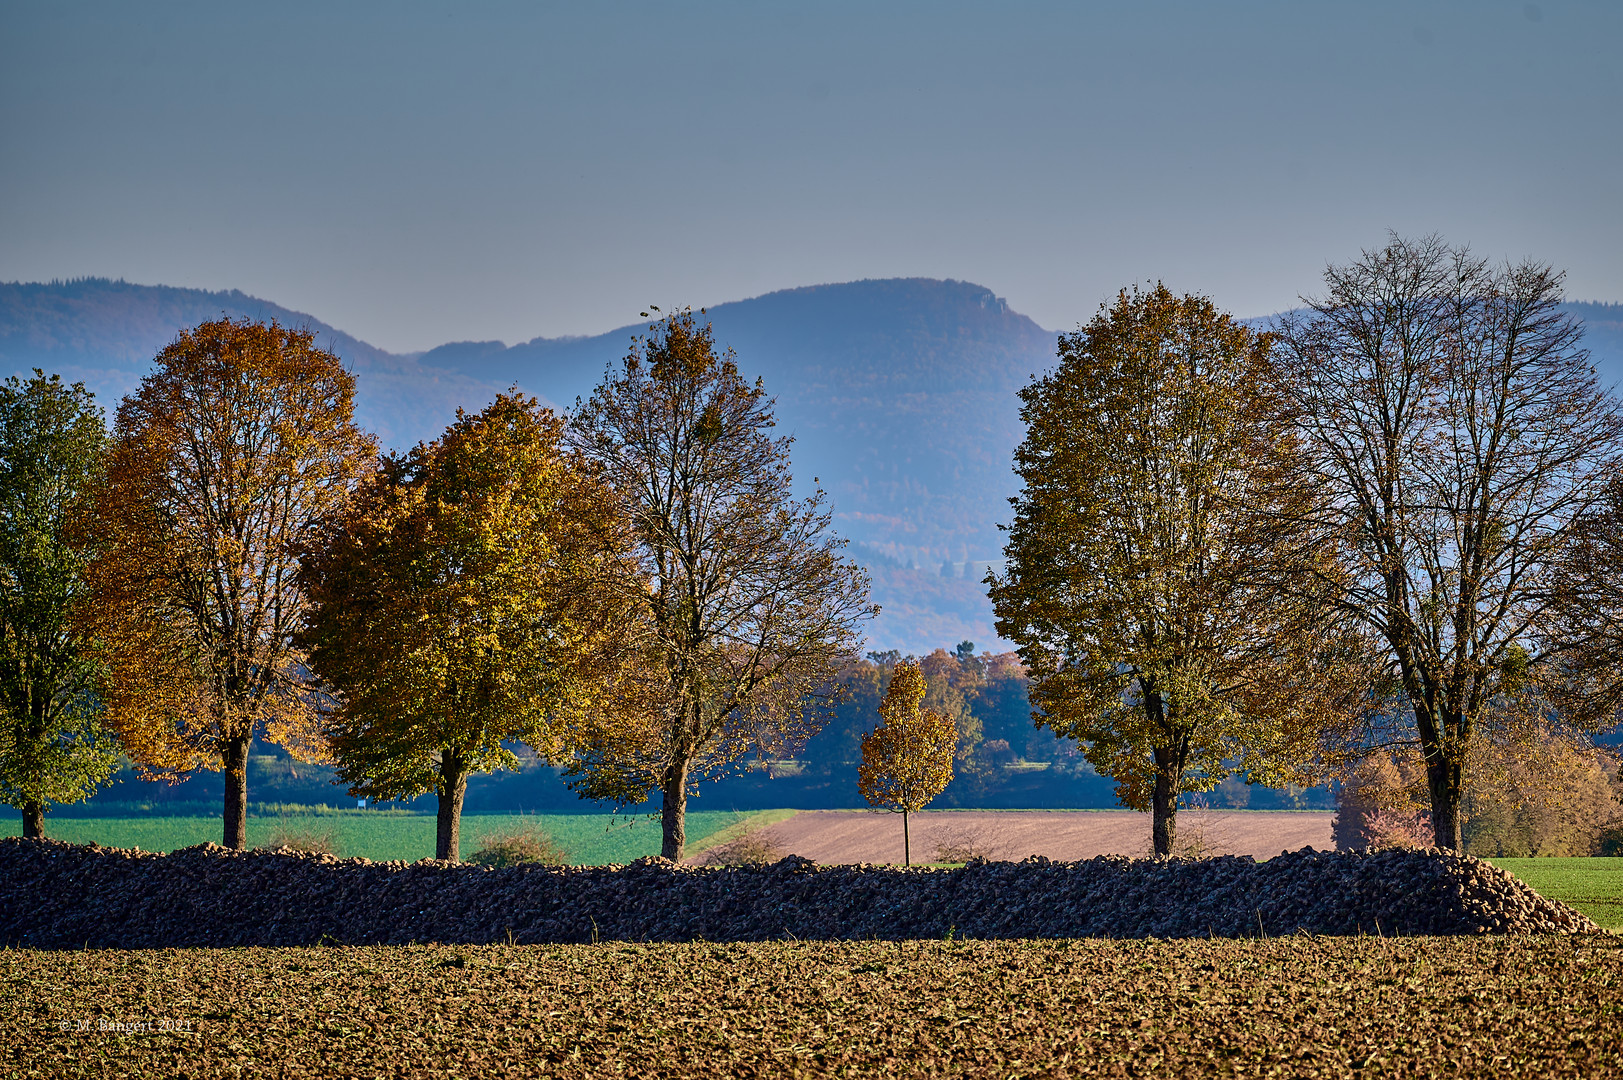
(859, 836)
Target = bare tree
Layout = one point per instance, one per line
(1455, 430)
(749, 605)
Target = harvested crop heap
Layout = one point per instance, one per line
(61, 895)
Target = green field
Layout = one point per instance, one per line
(1592, 885)
(1296, 1006)
(590, 838)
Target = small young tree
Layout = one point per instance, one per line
(468, 597)
(240, 440)
(53, 748)
(907, 759)
(749, 603)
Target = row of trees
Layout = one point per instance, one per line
(1393, 520)
(635, 592)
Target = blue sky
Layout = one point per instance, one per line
(417, 173)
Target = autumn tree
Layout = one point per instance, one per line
(220, 464)
(907, 759)
(1455, 431)
(53, 748)
(750, 604)
(469, 596)
(1158, 591)
(1584, 635)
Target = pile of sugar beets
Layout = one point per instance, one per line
(57, 895)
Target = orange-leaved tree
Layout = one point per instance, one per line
(240, 440)
(907, 759)
(466, 598)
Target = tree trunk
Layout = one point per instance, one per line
(673, 815)
(235, 758)
(34, 819)
(1164, 804)
(1443, 778)
(907, 850)
(453, 787)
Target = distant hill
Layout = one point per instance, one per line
(900, 394)
(105, 334)
(1603, 336)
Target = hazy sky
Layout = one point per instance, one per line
(421, 173)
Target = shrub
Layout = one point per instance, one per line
(997, 752)
(752, 847)
(303, 837)
(1233, 793)
(1610, 842)
(1377, 805)
(1388, 829)
(518, 847)
(962, 845)
(1190, 840)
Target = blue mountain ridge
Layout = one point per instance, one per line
(900, 394)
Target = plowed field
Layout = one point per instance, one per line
(858, 836)
(1288, 1007)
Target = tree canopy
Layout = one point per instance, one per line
(749, 604)
(1159, 591)
(220, 465)
(53, 748)
(1585, 635)
(467, 598)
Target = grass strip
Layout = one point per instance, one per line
(1592, 885)
(744, 822)
(592, 839)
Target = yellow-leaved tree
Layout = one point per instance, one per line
(907, 759)
(468, 597)
(240, 440)
(1174, 616)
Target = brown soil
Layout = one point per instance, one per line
(834, 837)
